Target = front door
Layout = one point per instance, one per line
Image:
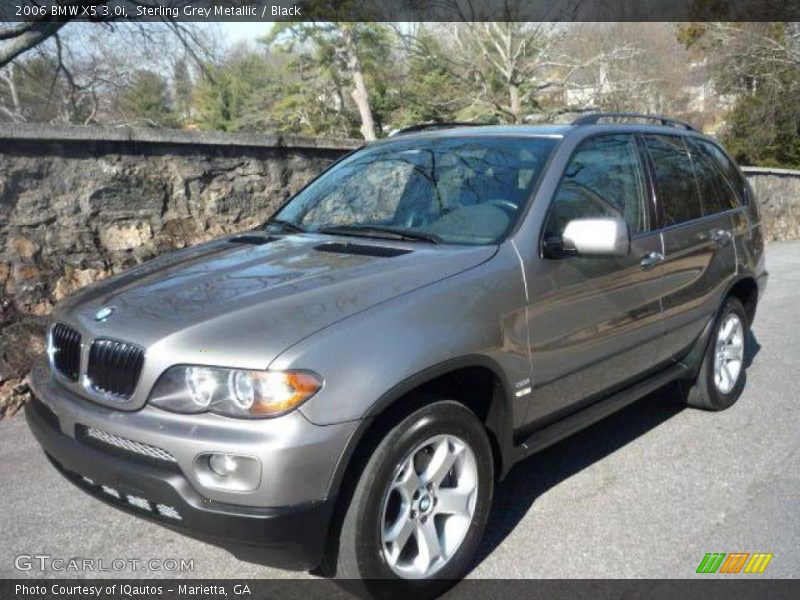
(595, 322)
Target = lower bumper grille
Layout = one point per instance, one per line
(129, 500)
(105, 440)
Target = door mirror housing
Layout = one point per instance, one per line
(606, 236)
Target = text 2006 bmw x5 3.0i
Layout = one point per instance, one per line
(344, 386)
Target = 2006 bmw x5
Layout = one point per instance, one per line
(345, 385)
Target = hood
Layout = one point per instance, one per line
(242, 300)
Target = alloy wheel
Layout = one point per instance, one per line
(729, 353)
(429, 507)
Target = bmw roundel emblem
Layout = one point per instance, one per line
(103, 313)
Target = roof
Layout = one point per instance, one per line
(472, 130)
(539, 130)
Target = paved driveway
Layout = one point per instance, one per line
(645, 493)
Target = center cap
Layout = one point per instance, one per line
(425, 503)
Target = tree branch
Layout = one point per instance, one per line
(28, 39)
(9, 33)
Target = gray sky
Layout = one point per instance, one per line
(239, 32)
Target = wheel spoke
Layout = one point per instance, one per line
(428, 543)
(441, 462)
(407, 482)
(734, 332)
(727, 329)
(453, 501)
(398, 536)
(729, 381)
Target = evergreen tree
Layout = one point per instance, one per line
(146, 101)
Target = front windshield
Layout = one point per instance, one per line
(458, 190)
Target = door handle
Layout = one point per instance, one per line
(720, 236)
(651, 259)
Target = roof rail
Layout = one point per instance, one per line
(436, 125)
(593, 118)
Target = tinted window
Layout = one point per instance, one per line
(675, 180)
(463, 190)
(604, 178)
(729, 182)
(716, 194)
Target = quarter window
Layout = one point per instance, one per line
(678, 192)
(728, 182)
(604, 178)
(716, 194)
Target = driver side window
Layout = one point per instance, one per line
(604, 178)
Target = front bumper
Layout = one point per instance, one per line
(292, 538)
(296, 527)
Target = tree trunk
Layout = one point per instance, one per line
(514, 103)
(7, 75)
(359, 93)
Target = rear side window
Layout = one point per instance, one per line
(728, 183)
(604, 178)
(675, 179)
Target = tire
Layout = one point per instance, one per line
(382, 503)
(709, 391)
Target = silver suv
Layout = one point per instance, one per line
(344, 386)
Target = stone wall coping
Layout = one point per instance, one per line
(770, 171)
(49, 133)
(42, 132)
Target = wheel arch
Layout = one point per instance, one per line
(745, 289)
(491, 403)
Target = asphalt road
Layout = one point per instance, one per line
(644, 494)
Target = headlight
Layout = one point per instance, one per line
(233, 392)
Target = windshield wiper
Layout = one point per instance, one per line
(285, 225)
(379, 231)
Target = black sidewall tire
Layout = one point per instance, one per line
(366, 508)
(704, 394)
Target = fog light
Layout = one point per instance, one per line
(223, 464)
(226, 471)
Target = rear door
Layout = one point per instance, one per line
(696, 226)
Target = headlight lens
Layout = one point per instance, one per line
(233, 392)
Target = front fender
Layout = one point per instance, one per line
(367, 358)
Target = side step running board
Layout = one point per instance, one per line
(555, 432)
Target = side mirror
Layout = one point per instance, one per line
(607, 236)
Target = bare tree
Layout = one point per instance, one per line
(18, 38)
(513, 69)
(91, 62)
(628, 67)
(746, 52)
